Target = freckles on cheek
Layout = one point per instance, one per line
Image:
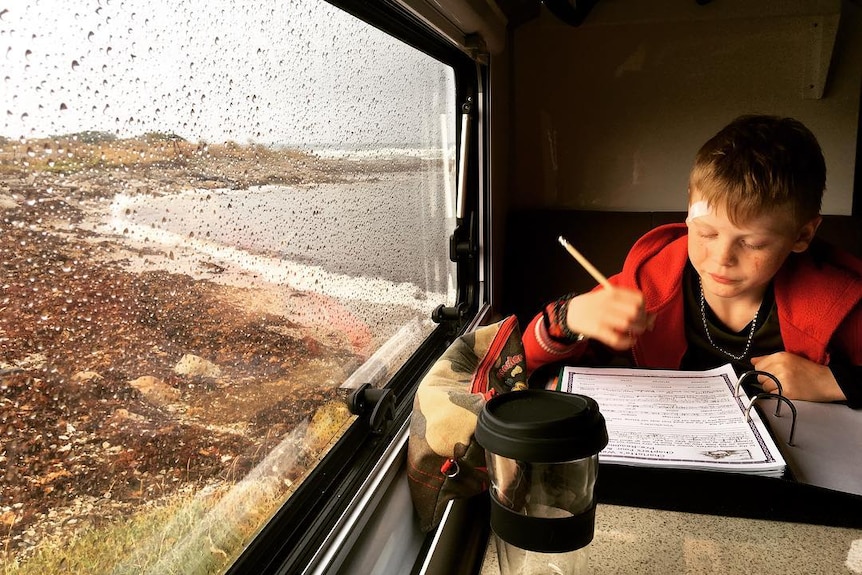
(757, 264)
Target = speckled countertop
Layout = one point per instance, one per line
(631, 540)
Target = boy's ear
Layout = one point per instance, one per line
(806, 234)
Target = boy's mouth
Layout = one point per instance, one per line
(722, 279)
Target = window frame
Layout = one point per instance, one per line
(291, 538)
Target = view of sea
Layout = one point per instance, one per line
(357, 240)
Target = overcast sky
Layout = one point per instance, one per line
(270, 71)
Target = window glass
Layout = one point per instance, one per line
(213, 214)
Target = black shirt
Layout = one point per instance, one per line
(703, 354)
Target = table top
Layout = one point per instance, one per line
(644, 541)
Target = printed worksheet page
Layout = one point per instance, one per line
(685, 419)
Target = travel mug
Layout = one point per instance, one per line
(542, 450)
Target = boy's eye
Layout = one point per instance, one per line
(753, 246)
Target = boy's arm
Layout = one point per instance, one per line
(576, 325)
(801, 378)
(547, 341)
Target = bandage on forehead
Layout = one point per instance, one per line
(697, 209)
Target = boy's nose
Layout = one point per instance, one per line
(724, 253)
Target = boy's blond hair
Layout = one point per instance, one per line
(759, 163)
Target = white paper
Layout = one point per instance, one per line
(684, 419)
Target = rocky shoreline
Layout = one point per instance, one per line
(120, 387)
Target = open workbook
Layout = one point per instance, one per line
(677, 419)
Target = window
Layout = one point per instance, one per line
(211, 219)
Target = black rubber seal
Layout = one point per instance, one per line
(543, 534)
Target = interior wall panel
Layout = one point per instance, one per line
(609, 115)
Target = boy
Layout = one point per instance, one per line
(743, 280)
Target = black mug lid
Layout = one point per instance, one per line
(542, 426)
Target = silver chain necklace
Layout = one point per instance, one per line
(709, 337)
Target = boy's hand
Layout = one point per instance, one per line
(615, 317)
(800, 378)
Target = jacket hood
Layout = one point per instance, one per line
(832, 281)
(655, 264)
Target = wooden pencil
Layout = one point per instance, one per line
(597, 275)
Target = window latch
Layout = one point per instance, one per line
(444, 313)
(378, 405)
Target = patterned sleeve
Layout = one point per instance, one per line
(548, 339)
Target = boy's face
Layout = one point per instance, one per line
(738, 261)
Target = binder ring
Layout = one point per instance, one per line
(755, 373)
(780, 398)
